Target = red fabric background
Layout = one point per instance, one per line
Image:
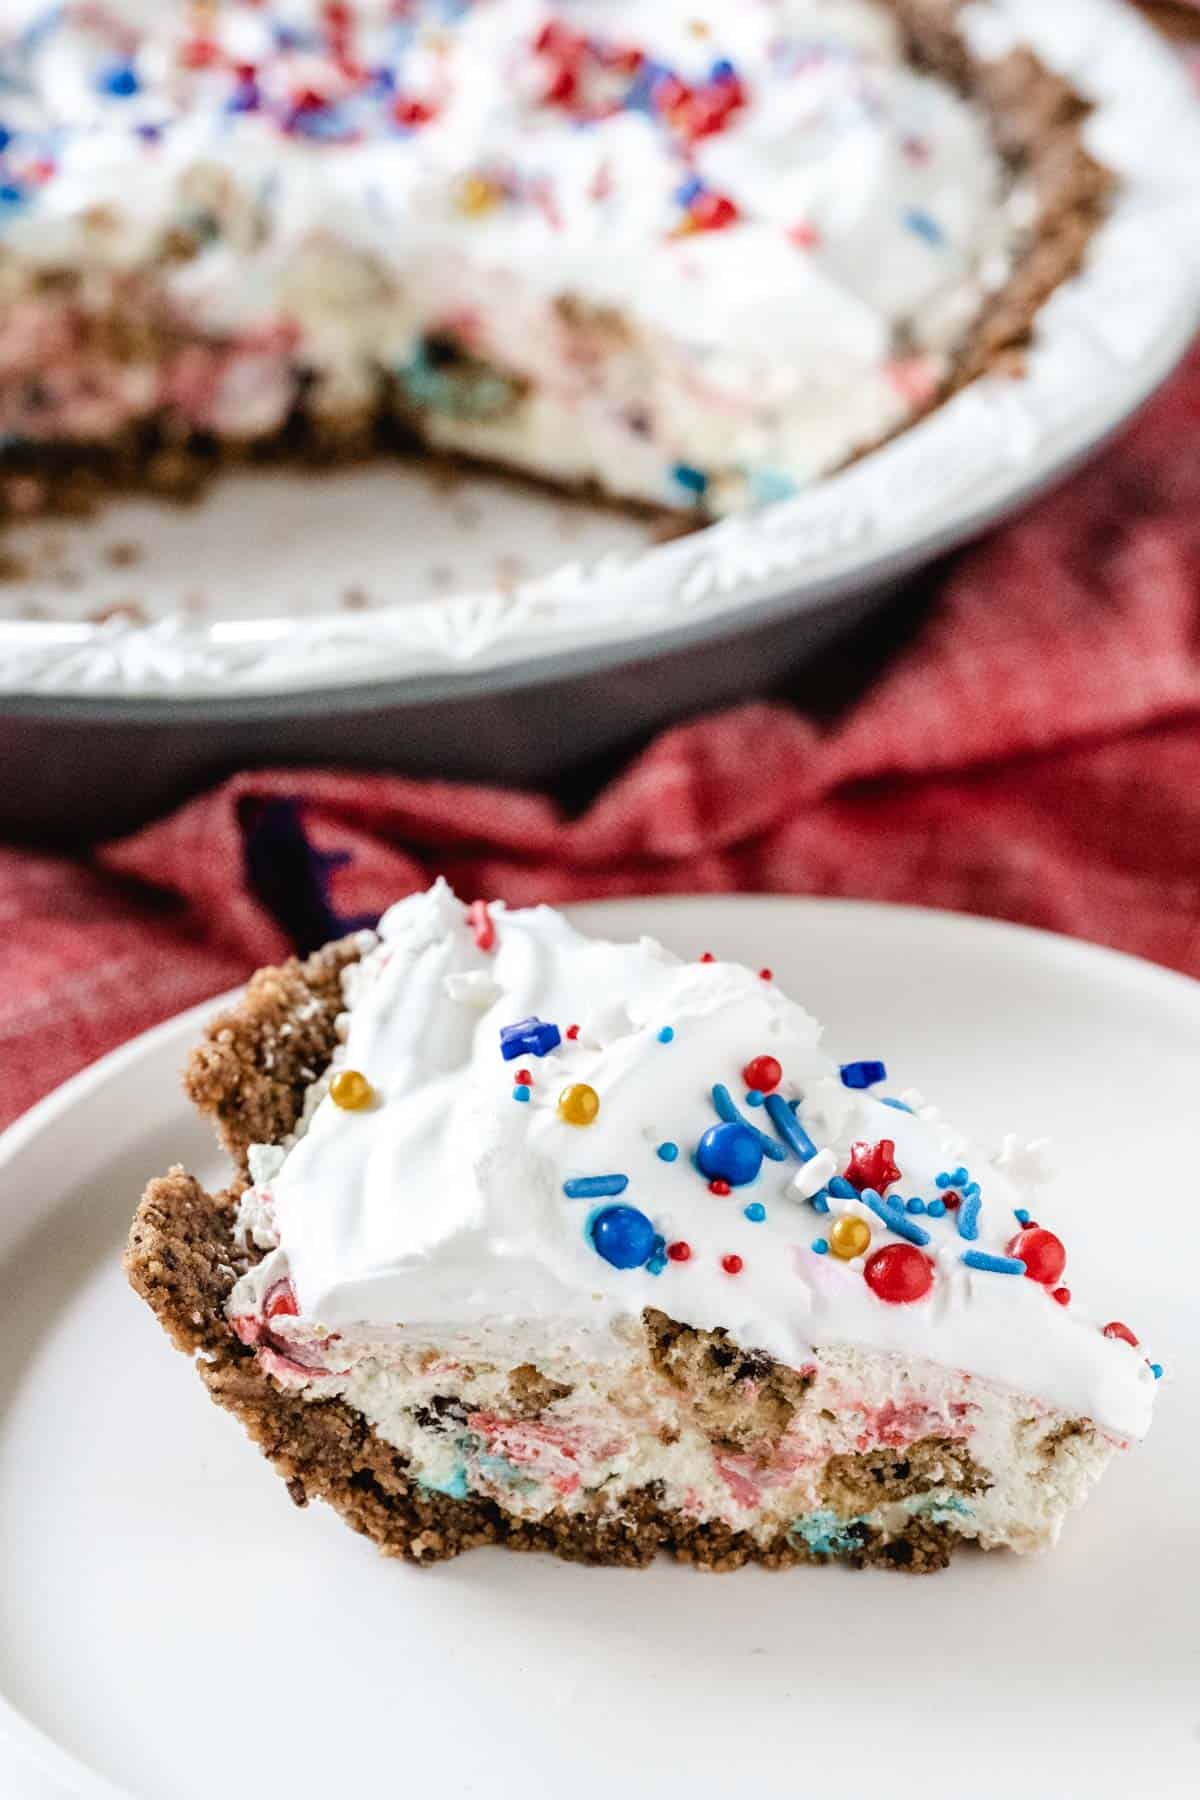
(1033, 753)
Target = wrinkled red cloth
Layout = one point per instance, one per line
(1034, 754)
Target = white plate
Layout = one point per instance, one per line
(279, 587)
(172, 1628)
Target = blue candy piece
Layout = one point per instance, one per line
(120, 79)
(528, 1037)
(668, 1152)
(729, 1153)
(862, 1074)
(667, 1034)
(623, 1236)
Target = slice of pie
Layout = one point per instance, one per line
(690, 254)
(567, 1244)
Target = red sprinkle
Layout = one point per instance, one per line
(1062, 1295)
(804, 236)
(763, 1073)
(874, 1166)
(732, 1265)
(480, 921)
(717, 1186)
(898, 1274)
(1043, 1254)
(708, 957)
(572, 1032)
(1115, 1329)
(679, 1251)
(713, 212)
(201, 53)
(766, 974)
(523, 1078)
(952, 1201)
(413, 112)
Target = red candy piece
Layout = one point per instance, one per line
(1043, 1254)
(874, 1166)
(1115, 1329)
(732, 1265)
(1063, 1296)
(763, 1073)
(523, 1078)
(898, 1274)
(480, 921)
(679, 1251)
(572, 1032)
(717, 1186)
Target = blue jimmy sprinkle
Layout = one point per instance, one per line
(820, 1200)
(755, 1212)
(862, 1074)
(968, 1213)
(723, 1102)
(667, 1034)
(841, 1189)
(893, 1218)
(1156, 1369)
(754, 1097)
(789, 1128)
(689, 190)
(668, 1152)
(694, 481)
(925, 226)
(993, 1265)
(821, 1246)
(1021, 1213)
(898, 1105)
(594, 1187)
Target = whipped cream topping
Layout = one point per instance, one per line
(448, 1203)
(769, 184)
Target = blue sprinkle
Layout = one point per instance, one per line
(1156, 1369)
(623, 1236)
(5, 139)
(150, 134)
(968, 1216)
(924, 225)
(970, 1190)
(659, 1245)
(862, 1074)
(754, 1097)
(726, 1110)
(11, 195)
(595, 1187)
(952, 1178)
(667, 1034)
(936, 1209)
(995, 1265)
(656, 1265)
(528, 1037)
(668, 1152)
(1021, 1213)
(820, 1200)
(893, 1218)
(120, 80)
(821, 1246)
(789, 1127)
(915, 1205)
(755, 1212)
(521, 1093)
(722, 70)
(899, 1105)
(688, 190)
(694, 481)
(841, 1189)
(729, 1152)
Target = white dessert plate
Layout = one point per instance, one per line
(171, 1628)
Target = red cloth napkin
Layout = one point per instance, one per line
(1033, 754)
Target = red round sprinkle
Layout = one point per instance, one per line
(200, 53)
(679, 1251)
(562, 87)
(572, 1032)
(713, 212)
(1063, 1296)
(1043, 1254)
(766, 975)
(717, 1186)
(523, 1078)
(763, 1073)
(408, 111)
(952, 1201)
(708, 957)
(1115, 1329)
(898, 1274)
(732, 1265)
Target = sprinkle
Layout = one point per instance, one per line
(667, 1034)
(523, 1078)
(915, 1205)
(595, 1187)
(754, 1097)
(726, 1110)
(1021, 1214)
(899, 1105)
(850, 1237)
(707, 957)
(819, 1200)
(578, 1104)
(994, 1265)
(893, 1218)
(679, 1251)
(764, 1073)
(656, 1265)
(956, 1178)
(719, 1187)
(689, 190)
(872, 1165)
(480, 921)
(693, 481)
(841, 1189)
(1062, 1295)
(766, 975)
(528, 1037)
(1156, 1369)
(821, 1246)
(755, 1212)
(120, 80)
(862, 1074)
(789, 1128)
(713, 212)
(1115, 1329)
(623, 1236)
(572, 1032)
(668, 1152)
(924, 225)
(968, 1214)
(804, 235)
(351, 1090)
(898, 1274)
(732, 1265)
(936, 1209)
(477, 195)
(520, 1093)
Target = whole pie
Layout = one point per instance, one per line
(559, 1243)
(688, 255)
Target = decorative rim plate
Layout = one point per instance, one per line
(1105, 342)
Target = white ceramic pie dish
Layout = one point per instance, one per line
(513, 679)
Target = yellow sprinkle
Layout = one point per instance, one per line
(850, 1236)
(578, 1105)
(477, 195)
(351, 1090)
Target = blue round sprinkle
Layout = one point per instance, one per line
(821, 1246)
(120, 80)
(936, 1209)
(729, 1153)
(755, 1212)
(754, 1097)
(916, 1205)
(1020, 1213)
(666, 1035)
(1156, 1370)
(521, 1093)
(722, 70)
(11, 195)
(656, 1265)
(5, 138)
(694, 481)
(668, 1152)
(623, 1236)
